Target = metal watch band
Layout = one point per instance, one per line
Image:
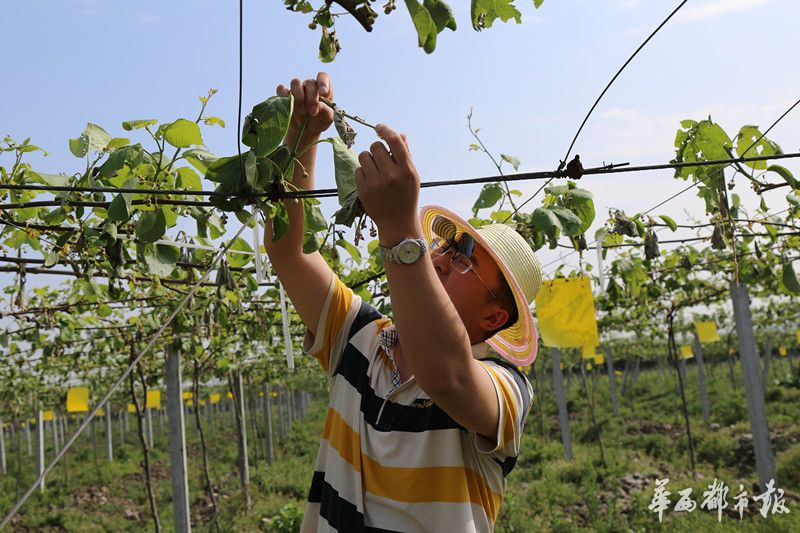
(406, 252)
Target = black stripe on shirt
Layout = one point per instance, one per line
(396, 416)
(507, 465)
(519, 377)
(338, 512)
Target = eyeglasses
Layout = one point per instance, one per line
(460, 262)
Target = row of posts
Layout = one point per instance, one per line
(280, 412)
(755, 382)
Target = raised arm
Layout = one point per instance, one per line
(305, 277)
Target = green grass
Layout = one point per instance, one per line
(545, 492)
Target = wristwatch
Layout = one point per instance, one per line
(406, 252)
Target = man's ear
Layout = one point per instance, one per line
(494, 318)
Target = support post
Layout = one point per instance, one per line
(241, 423)
(40, 446)
(701, 378)
(612, 381)
(54, 428)
(109, 435)
(268, 423)
(765, 460)
(563, 418)
(177, 443)
(2, 449)
(149, 417)
(767, 357)
(28, 435)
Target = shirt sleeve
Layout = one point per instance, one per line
(514, 394)
(338, 314)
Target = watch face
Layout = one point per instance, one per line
(409, 251)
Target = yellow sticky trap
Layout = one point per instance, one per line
(48, 416)
(783, 351)
(599, 359)
(153, 399)
(187, 395)
(78, 400)
(619, 373)
(686, 351)
(190, 402)
(797, 333)
(202, 403)
(588, 352)
(229, 395)
(215, 397)
(100, 412)
(32, 421)
(131, 408)
(707, 332)
(565, 313)
(260, 394)
(588, 365)
(273, 394)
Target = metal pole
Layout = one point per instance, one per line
(28, 435)
(54, 428)
(40, 446)
(177, 443)
(149, 417)
(268, 423)
(2, 448)
(765, 460)
(109, 435)
(612, 381)
(281, 431)
(238, 398)
(701, 378)
(563, 418)
(682, 368)
(121, 424)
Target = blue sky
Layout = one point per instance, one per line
(70, 62)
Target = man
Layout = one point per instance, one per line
(422, 428)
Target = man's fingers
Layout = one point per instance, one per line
(282, 90)
(397, 143)
(383, 159)
(368, 165)
(299, 96)
(324, 85)
(312, 97)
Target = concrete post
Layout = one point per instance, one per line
(268, 423)
(612, 381)
(109, 435)
(765, 460)
(177, 443)
(40, 446)
(701, 378)
(563, 418)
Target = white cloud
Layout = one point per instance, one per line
(717, 8)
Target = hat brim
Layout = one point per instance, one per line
(519, 342)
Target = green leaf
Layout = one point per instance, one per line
(54, 180)
(214, 121)
(239, 260)
(132, 156)
(441, 14)
(161, 258)
(794, 198)
(199, 158)
(266, 125)
(490, 195)
(79, 147)
(280, 222)
(745, 147)
(570, 222)
(511, 160)
(117, 142)
(97, 137)
(119, 209)
(485, 12)
(328, 45)
(151, 226)
(790, 281)
(51, 259)
(314, 220)
(170, 214)
(547, 222)
(424, 24)
(669, 222)
(345, 164)
(785, 174)
(129, 125)
(352, 250)
(188, 179)
(183, 133)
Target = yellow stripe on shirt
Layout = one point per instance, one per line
(455, 484)
(340, 300)
(509, 404)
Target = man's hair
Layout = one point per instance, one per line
(508, 303)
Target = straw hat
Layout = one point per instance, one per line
(517, 343)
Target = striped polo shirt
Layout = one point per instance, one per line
(390, 459)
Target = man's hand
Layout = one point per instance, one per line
(307, 105)
(388, 186)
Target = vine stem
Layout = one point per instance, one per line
(496, 164)
(354, 118)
